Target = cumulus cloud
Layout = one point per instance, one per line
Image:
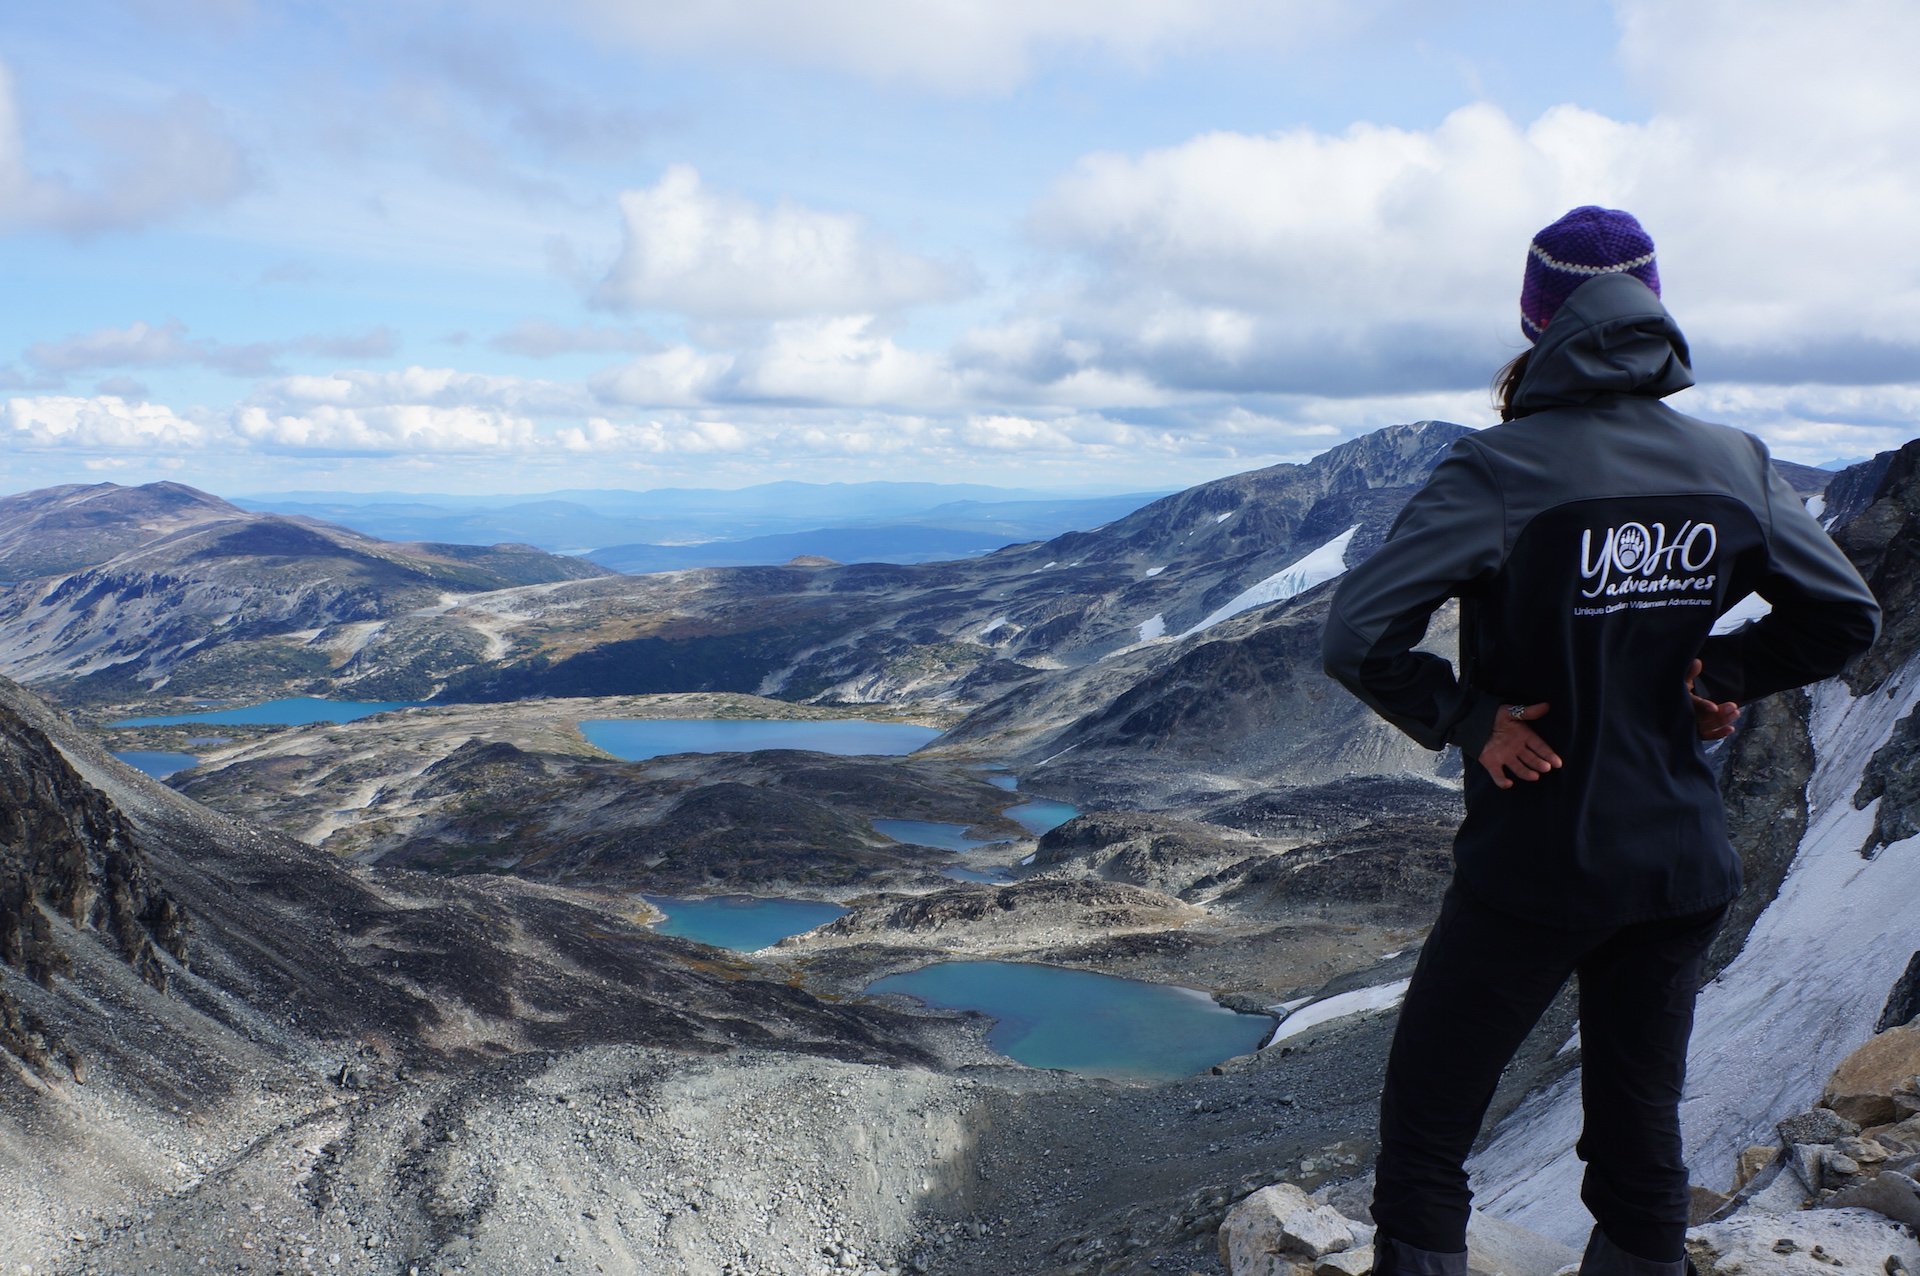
(1380, 258)
(982, 46)
(152, 164)
(717, 256)
(167, 345)
(395, 428)
(424, 387)
(103, 421)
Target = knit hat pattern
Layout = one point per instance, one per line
(1586, 242)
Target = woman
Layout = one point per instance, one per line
(1592, 539)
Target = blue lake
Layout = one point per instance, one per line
(1041, 815)
(637, 738)
(155, 763)
(1003, 779)
(740, 921)
(1052, 1017)
(296, 711)
(947, 837)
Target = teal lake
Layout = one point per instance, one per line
(1052, 1017)
(1041, 815)
(637, 738)
(946, 837)
(155, 763)
(297, 711)
(741, 922)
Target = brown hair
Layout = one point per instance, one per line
(1507, 380)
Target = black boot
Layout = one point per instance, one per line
(1604, 1258)
(1397, 1258)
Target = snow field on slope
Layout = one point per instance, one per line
(1322, 564)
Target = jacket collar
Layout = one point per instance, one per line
(1611, 336)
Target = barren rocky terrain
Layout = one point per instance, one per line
(381, 997)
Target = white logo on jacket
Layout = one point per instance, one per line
(1641, 558)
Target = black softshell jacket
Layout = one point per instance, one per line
(1593, 542)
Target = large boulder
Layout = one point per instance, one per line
(1281, 1231)
(1864, 1088)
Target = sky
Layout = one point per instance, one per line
(1098, 245)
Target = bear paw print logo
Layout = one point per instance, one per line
(1630, 550)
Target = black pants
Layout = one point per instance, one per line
(1482, 980)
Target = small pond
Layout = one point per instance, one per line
(1100, 1025)
(156, 763)
(946, 837)
(637, 738)
(742, 922)
(1042, 815)
(295, 711)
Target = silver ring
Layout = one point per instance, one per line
(1518, 712)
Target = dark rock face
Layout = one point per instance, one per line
(1883, 541)
(1903, 999)
(1893, 776)
(1763, 780)
(66, 854)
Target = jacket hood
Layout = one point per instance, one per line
(1611, 336)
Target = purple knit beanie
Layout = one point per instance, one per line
(1586, 242)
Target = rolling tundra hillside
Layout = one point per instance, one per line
(124, 592)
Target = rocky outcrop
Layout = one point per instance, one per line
(69, 862)
(1026, 915)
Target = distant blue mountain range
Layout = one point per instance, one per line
(665, 529)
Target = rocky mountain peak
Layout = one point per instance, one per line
(1394, 456)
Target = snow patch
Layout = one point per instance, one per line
(1816, 505)
(1752, 607)
(1221, 518)
(1322, 564)
(1153, 627)
(991, 625)
(1339, 1006)
(1155, 571)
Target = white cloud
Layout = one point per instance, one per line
(717, 256)
(427, 387)
(1779, 172)
(676, 377)
(145, 345)
(411, 427)
(105, 421)
(981, 46)
(839, 360)
(153, 164)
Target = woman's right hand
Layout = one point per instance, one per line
(1515, 750)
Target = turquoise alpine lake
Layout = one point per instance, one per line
(636, 738)
(947, 837)
(155, 763)
(295, 711)
(1041, 815)
(742, 922)
(1099, 1025)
